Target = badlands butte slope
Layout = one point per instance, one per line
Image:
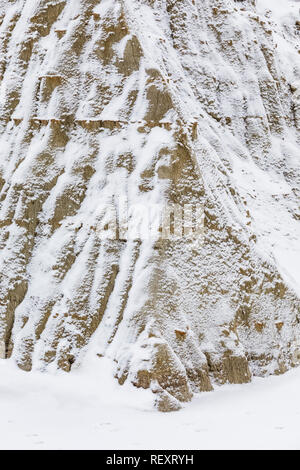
(161, 101)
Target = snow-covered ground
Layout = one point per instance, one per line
(84, 411)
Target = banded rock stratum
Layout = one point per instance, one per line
(161, 101)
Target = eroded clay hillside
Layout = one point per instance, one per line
(173, 101)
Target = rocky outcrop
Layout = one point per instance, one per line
(180, 103)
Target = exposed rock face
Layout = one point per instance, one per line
(185, 102)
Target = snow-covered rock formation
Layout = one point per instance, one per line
(187, 102)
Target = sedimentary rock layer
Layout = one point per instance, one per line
(183, 102)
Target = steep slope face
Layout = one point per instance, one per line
(154, 102)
